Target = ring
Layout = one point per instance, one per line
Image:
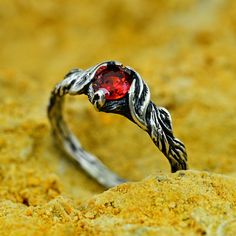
(114, 88)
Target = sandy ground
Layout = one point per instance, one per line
(185, 51)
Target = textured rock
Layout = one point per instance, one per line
(184, 203)
(186, 52)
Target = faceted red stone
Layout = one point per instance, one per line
(114, 80)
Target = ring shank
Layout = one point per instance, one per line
(92, 165)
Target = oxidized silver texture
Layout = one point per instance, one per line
(136, 106)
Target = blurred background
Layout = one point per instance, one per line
(185, 51)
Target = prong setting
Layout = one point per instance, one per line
(99, 99)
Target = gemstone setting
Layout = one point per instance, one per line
(114, 80)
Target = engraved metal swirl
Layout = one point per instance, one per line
(136, 106)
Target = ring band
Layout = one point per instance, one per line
(114, 88)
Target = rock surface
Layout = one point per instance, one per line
(186, 52)
(184, 203)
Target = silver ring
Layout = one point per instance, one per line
(114, 88)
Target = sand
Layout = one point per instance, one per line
(185, 51)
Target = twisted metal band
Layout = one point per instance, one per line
(136, 106)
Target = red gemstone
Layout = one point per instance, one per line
(114, 80)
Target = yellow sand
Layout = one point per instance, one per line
(186, 52)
